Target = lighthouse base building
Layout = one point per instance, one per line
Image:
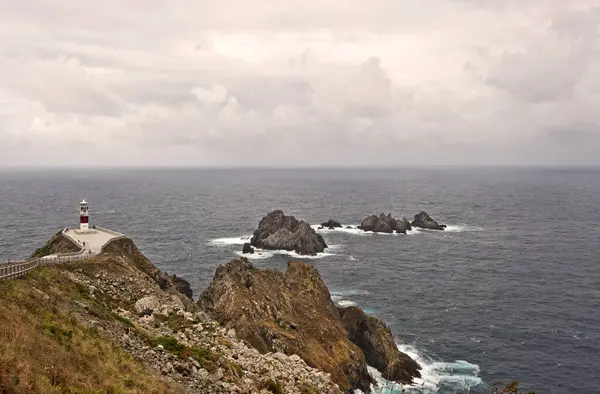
(91, 238)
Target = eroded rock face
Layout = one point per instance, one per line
(379, 224)
(423, 220)
(289, 312)
(125, 249)
(331, 224)
(378, 345)
(277, 231)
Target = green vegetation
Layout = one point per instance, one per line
(204, 356)
(273, 386)
(45, 346)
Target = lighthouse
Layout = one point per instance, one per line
(84, 216)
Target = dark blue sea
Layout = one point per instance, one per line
(510, 291)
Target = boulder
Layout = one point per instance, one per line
(247, 248)
(402, 226)
(377, 343)
(289, 312)
(147, 303)
(331, 224)
(379, 224)
(423, 220)
(277, 231)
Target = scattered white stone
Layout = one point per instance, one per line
(149, 302)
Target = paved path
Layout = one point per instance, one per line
(93, 239)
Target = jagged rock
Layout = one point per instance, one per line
(402, 226)
(150, 302)
(423, 220)
(279, 232)
(57, 244)
(331, 224)
(377, 343)
(289, 312)
(247, 248)
(379, 224)
(182, 286)
(125, 249)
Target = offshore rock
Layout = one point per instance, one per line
(277, 231)
(331, 224)
(289, 312)
(423, 220)
(402, 226)
(247, 248)
(378, 345)
(379, 224)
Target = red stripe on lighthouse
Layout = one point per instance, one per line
(83, 219)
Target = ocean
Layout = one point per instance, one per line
(511, 290)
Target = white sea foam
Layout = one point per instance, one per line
(351, 258)
(460, 228)
(346, 303)
(231, 241)
(260, 254)
(436, 376)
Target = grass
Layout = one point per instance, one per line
(202, 355)
(45, 348)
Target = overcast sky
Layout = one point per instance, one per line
(299, 82)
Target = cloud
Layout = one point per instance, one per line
(296, 83)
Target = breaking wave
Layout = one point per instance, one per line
(353, 229)
(460, 228)
(436, 376)
(231, 241)
(261, 254)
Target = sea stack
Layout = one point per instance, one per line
(277, 231)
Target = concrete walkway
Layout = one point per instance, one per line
(93, 239)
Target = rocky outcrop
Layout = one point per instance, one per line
(423, 220)
(379, 224)
(277, 231)
(125, 249)
(402, 226)
(289, 312)
(247, 248)
(378, 345)
(331, 224)
(57, 244)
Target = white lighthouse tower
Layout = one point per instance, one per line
(84, 216)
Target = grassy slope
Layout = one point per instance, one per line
(46, 348)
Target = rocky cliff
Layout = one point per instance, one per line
(57, 244)
(293, 313)
(277, 231)
(115, 323)
(377, 343)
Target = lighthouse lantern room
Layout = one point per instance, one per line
(84, 216)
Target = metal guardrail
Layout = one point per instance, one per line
(19, 269)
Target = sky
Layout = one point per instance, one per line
(293, 83)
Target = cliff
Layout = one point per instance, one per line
(116, 323)
(293, 313)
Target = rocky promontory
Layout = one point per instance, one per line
(116, 323)
(331, 224)
(277, 231)
(293, 313)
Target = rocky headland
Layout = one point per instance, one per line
(276, 231)
(292, 312)
(116, 323)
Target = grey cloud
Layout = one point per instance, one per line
(340, 83)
